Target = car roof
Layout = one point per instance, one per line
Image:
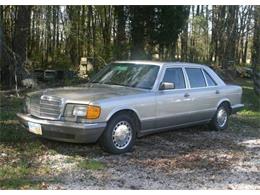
(159, 63)
(141, 62)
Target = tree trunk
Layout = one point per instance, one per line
(248, 24)
(256, 51)
(89, 30)
(184, 42)
(21, 32)
(120, 43)
(72, 39)
(93, 20)
(137, 32)
(228, 59)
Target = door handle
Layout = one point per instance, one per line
(186, 95)
(217, 92)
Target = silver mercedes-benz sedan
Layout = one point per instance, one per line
(129, 99)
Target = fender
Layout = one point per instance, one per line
(120, 108)
(223, 100)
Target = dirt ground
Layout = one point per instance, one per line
(193, 158)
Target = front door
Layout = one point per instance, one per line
(173, 105)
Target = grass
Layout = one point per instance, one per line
(10, 130)
(23, 176)
(21, 172)
(20, 167)
(19, 150)
(247, 121)
(20, 183)
(91, 165)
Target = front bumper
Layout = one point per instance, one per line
(65, 131)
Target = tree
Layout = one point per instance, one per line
(72, 43)
(184, 40)
(106, 28)
(137, 32)
(198, 48)
(120, 50)
(231, 31)
(256, 50)
(171, 20)
(14, 43)
(21, 34)
(58, 36)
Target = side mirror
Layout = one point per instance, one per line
(166, 86)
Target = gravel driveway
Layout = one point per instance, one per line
(191, 158)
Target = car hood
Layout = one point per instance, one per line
(92, 92)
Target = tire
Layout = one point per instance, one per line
(119, 135)
(220, 120)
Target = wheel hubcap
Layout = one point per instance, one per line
(222, 117)
(122, 134)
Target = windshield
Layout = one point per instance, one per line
(126, 74)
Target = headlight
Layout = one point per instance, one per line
(86, 111)
(79, 111)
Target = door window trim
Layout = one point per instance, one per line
(206, 72)
(201, 69)
(184, 77)
(205, 77)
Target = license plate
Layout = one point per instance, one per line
(35, 128)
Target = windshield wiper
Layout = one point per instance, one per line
(113, 83)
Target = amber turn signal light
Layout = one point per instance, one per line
(93, 112)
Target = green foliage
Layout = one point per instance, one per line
(251, 113)
(199, 49)
(60, 35)
(250, 99)
(62, 62)
(10, 129)
(20, 183)
(156, 26)
(91, 165)
(171, 19)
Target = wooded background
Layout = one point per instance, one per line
(58, 36)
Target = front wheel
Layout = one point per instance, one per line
(220, 119)
(119, 136)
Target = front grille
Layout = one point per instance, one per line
(47, 107)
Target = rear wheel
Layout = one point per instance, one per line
(220, 119)
(119, 136)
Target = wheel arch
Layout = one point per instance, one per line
(130, 111)
(225, 102)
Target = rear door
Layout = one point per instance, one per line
(203, 92)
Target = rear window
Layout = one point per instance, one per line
(196, 77)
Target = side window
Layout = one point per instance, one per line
(196, 77)
(175, 75)
(210, 81)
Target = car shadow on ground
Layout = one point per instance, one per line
(161, 145)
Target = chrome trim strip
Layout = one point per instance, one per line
(29, 118)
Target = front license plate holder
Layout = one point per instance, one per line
(35, 128)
